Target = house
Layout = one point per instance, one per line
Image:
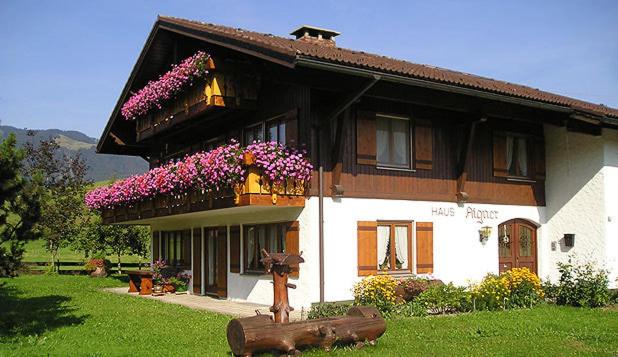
(415, 169)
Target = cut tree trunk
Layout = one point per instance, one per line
(260, 333)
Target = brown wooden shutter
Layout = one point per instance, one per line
(196, 268)
(235, 249)
(424, 247)
(155, 246)
(499, 155)
(367, 238)
(292, 243)
(539, 158)
(423, 145)
(366, 138)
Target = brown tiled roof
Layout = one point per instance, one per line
(290, 50)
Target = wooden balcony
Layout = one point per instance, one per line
(253, 192)
(218, 92)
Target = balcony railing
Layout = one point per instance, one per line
(255, 191)
(262, 174)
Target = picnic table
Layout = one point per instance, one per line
(140, 281)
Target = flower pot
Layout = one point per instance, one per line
(157, 289)
(169, 288)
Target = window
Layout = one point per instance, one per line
(175, 247)
(517, 155)
(253, 133)
(282, 129)
(393, 243)
(270, 237)
(393, 141)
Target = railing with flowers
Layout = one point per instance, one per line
(227, 171)
(188, 90)
(169, 84)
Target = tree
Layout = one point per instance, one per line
(63, 186)
(19, 207)
(96, 237)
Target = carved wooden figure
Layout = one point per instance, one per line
(280, 265)
(263, 333)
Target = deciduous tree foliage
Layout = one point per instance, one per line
(19, 207)
(96, 237)
(63, 186)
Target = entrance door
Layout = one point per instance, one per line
(517, 245)
(216, 261)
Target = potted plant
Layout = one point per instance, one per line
(97, 266)
(180, 282)
(157, 276)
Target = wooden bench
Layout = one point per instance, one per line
(140, 281)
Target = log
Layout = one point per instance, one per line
(260, 333)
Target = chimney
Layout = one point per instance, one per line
(315, 35)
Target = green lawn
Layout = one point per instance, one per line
(70, 315)
(35, 252)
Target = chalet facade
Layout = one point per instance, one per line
(416, 169)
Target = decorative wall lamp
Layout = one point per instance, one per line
(484, 234)
(569, 239)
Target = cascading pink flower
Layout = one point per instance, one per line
(210, 171)
(169, 84)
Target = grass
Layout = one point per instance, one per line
(35, 252)
(70, 315)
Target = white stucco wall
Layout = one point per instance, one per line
(610, 172)
(581, 198)
(459, 256)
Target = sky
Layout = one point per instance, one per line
(63, 63)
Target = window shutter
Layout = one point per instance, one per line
(155, 246)
(539, 158)
(366, 138)
(235, 249)
(367, 234)
(292, 244)
(424, 247)
(423, 145)
(196, 268)
(499, 155)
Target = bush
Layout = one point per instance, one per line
(412, 308)
(582, 285)
(408, 289)
(328, 309)
(518, 287)
(378, 291)
(524, 287)
(491, 293)
(443, 299)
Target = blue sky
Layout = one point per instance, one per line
(64, 63)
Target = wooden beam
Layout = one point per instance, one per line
(464, 162)
(336, 152)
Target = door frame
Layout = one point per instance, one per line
(221, 258)
(517, 222)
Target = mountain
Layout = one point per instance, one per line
(100, 166)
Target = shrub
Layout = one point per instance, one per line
(378, 291)
(328, 309)
(524, 287)
(412, 308)
(582, 285)
(443, 299)
(409, 288)
(491, 293)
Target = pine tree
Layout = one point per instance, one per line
(20, 208)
